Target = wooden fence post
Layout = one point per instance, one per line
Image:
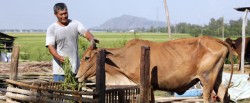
(13, 68)
(14, 63)
(144, 74)
(100, 76)
(121, 96)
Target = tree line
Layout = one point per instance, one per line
(216, 27)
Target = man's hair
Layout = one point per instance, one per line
(59, 6)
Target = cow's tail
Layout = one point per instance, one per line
(230, 55)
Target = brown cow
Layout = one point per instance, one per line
(237, 47)
(174, 65)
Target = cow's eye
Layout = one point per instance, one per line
(86, 58)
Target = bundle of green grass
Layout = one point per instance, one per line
(70, 81)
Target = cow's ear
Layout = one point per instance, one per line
(107, 52)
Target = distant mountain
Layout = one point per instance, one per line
(127, 22)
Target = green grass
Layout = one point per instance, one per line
(32, 45)
(114, 39)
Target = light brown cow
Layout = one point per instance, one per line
(174, 65)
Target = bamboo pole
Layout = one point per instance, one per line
(48, 89)
(37, 95)
(2, 98)
(46, 70)
(168, 20)
(223, 29)
(29, 98)
(22, 91)
(8, 100)
(244, 23)
(3, 77)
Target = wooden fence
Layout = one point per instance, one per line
(50, 92)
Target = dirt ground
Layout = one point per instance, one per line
(23, 68)
(27, 66)
(228, 66)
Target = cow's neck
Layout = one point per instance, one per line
(118, 79)
(118, 70)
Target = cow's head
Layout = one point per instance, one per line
(87, 67)
(230, 42)
(232, 45)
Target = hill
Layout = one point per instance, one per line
(127, 22)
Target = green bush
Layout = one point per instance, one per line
(83, 44)
(24, 55)
(235, 60)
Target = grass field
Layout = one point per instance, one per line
(32, 45)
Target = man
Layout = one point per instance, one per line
(62, 41)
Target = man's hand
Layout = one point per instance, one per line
(61, 59)
(53, 52)
(93, 43)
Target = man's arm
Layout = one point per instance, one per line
(53, 52)
(89, 36)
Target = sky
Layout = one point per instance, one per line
(38, 14)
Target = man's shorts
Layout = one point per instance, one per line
(58, 78)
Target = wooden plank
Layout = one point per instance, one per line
(121, 96)
(112, 87)
(14, 66)
(14, 63)
(100, 76)
(28, 98)
(144, 75)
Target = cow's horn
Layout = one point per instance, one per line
(93, 43)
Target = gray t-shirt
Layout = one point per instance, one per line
(65, 40)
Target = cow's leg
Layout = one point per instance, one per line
(239, 63)
(208, 84)
(207, 90)
(223, 94)
(207, 87)
(209, 79)
(220, 90)
(152, 96)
